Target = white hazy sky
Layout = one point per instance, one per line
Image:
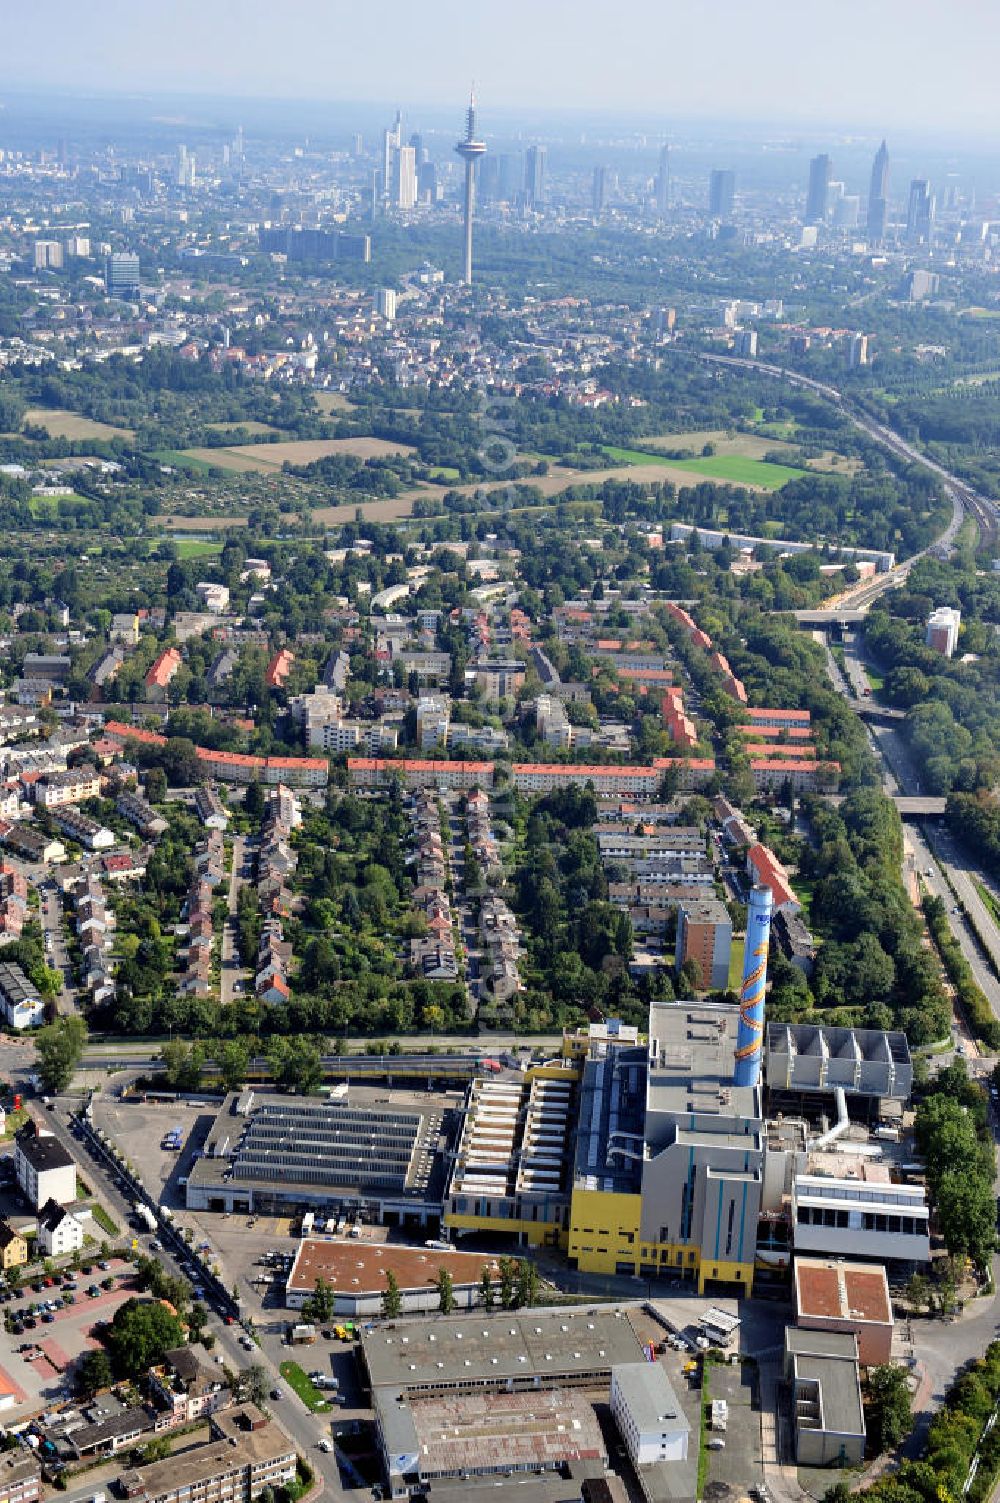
(924, 64)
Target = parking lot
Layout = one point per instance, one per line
(138, 1129)
(40, 1349)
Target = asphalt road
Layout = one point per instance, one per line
(305, 1428)
(231, 971)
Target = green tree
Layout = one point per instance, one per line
(140, 1333)
(183, 1064)
(319, 1306)
(297, 1064)
(59, 1047)
(392, 1299)
(508, 1274)
(527, 1284)
(486, 1294)
(252, 1385)
(233, 1060)
(888, 1406)
(93, 1372)
(446, 1291)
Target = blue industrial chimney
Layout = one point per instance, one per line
(750, 1038)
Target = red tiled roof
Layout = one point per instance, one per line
(758, 713)
(164, 668)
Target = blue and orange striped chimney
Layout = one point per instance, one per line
(750, 1037)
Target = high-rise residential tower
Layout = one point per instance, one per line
(470, 150)
(878, 196)
(818, 197)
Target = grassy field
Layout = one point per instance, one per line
(745, 445)
(629, 456)
(42, 506)
(739, 471)
(267, 457)
(303, 1385)
(249, 426)
(183, 459)
(444, 473)
(332, 401)
(191, 547)
(58, 423)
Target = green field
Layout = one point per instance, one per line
(178, 461)
(739, 471)
(191, 547)
(631, 456)
(43, 506)
(303, 1385)
(444, 472)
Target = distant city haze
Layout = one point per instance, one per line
(907, 64)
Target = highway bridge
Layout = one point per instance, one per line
(913, 807)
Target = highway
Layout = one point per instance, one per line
(964, 499)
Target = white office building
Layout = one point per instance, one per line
(648, 1414)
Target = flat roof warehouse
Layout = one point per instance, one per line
(509, 1351)
(269, 1152)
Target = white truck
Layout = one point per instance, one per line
(146, 1216)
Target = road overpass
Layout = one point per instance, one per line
(912, 806)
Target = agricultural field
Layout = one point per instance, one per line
(58, 423)
(268, 457)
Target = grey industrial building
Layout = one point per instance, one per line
(278, 1154)
(804, 1058)
(491, 1393)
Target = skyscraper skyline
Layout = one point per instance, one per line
(818, 196)
(878, 196)
(470, 150)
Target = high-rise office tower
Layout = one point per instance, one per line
(534, 175)
(599, 190)
(392, 138)
(185, 168)
(721, 193)
(426, 182)
(404, 179)
(663, 182)
(878, 196)
(489, 179)
(818, 197)
(509, 176)
(358, 147)
(417, 142)
(470, 150)
(920, 211)
(121, 273)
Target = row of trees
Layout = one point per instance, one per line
(515, 1288)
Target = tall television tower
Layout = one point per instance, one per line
(470, 149)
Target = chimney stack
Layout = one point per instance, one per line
(750, 1038)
